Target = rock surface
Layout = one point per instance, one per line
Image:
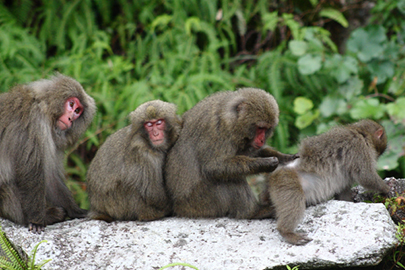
(345, 234)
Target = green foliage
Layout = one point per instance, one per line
(13, 259)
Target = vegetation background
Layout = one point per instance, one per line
(327, 62)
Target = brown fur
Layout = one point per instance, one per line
(125, 179)
(32, 189)
(206, 169)
(329, 164)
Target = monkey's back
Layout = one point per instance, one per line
(327, 162)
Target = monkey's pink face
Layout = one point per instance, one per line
(156, 130)
(260, 137)
(72, 109)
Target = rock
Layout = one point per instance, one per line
(345, 234)
(397, 187)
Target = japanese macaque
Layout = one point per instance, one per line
(223, 141)
(38, 121)
(125, 178)
(329, 165)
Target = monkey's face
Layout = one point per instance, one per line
(262, 131)
(156, 131)
(72, 109)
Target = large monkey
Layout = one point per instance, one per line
(222, 141)
(125, 178)
(329, 164)
(38, 121)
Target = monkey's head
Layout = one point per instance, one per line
(376, 132)
(66, 104)
(157, 123)
(256, 113)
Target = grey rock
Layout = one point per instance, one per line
(344, 233)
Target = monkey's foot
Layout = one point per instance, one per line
(296, 238)
(35, 228)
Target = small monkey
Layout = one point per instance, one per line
(329, 164)
(38, 121)
(223, 141)
(125, 178)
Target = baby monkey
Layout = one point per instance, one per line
(329, 165)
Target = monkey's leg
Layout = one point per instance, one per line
(60, 196)
(345, 195)
(288, 198)
(242, 203)
(370, 180)
(54, 215)
(99, 216)
(10, 204)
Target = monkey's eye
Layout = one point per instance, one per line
(159, 122)
(148, 124)
(78, 111)
(71, 104)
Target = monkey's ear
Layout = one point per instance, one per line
(379, 133)
(241, 107)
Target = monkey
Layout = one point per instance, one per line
(328, 164)
(125, 178)
(221, 143)
(38, 121)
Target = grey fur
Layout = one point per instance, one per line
(329, 165)
(125, 179)
(206, 169)
(32, 188)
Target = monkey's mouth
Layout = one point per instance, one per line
(62, 125)
(255, 146)
(158, 142)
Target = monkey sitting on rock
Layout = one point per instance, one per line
(329, 165)
(221, 143)
(38, 121)
(125, 178)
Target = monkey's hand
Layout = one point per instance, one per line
(36, 228)
(286, 158)
(269, 164)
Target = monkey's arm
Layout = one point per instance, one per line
(234, 167)
(267, 151)
(370, 180)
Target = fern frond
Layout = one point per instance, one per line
(6, 265)
(34, 253)
(11, 253)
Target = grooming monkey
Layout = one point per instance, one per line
(38, 121)
(125, 178)
(223, 141)
(329, 164)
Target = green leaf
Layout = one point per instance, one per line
(314, 2)
(192, 22)
(332, 105)
(335, 15)
(302, 105)
(298, 47)
(367, 108)
(381, 69)
(306, 119)
(162, 20)
(366, 42)
(396, 109)
(309, 64)
(288, 19)
(352, 88)
(270, 20)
